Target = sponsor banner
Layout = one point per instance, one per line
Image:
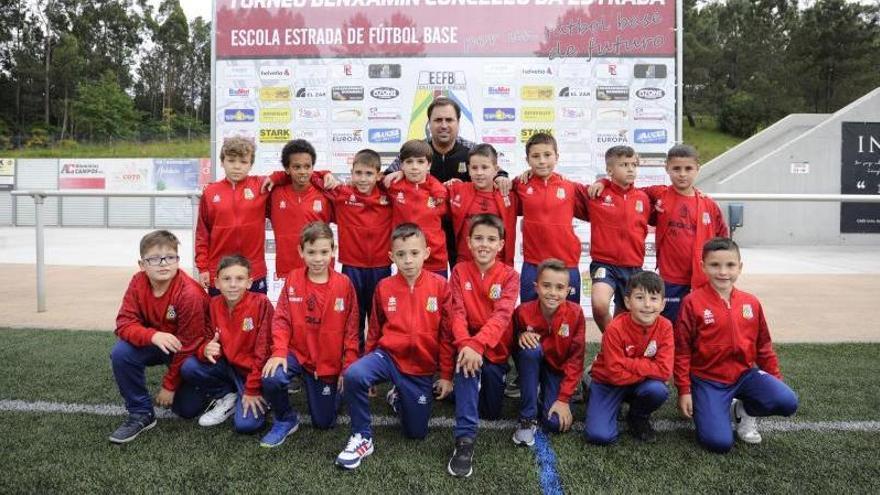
(611, 71)
(498, 70)
(314, 136)
(384, 93)
(538, 114)
(384, 113)
(499, 114)
(649, 136)
(649, 113)
(275, 115)
(385, 71)
(239, 72)
(649, 71)
(498, 135)
(347, 93)
(581, 92)
(574, 113)
(7, 173)
(609, 138)
(501, 92)
(612, 93)
(539, 71)
(81, 174)
(384, 135)
(537, 92)
(649, 93)
(347, 136)
(275, 93)
(574, 71)
(275, 135)
(351, 114)
(611, 115)
(129, 175)
(573, 136)
(347, 71)
(446, 79)
(311, 114)
(240, 115)
(527, 132)
(275, 73)
(311, 93)
(172, 174)
(238, 93)
(860, 174)
(652, 160)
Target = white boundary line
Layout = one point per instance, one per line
(770, 425)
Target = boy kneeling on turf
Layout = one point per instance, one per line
(550, 332)
(723, 352)
(314, 335)
(484, 293)
(163, 318)
(634, 363)
(407, 342)
(227, 366)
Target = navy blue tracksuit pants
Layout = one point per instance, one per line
(478, 397)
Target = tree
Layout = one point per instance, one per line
(104, 110)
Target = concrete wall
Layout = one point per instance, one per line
(763, 164)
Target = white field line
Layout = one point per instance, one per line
(769, 424)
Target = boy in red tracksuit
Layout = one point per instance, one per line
(421, 199)
(468, 199)
(227, 366)
(295, 206)
(548, 204)
(723, 352)
(551, 336)
(363, 218)
(618, 226)
(232, 216)
(314, 335)
(484, 293)
(633, 365)
(163, 318)
(408, 342)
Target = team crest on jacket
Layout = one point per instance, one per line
(431, 305)
(339, 305)
(495, 292)
(216, 198)
(747, 311)
(651, 350)
(170, 313)
(317, 207)
(392, 304)
(639, 206)
(706, 218)
(383, 200)
(563, 330)
(560, 192)
(247, 324)
(708, 317)
(248, 194)
(282, 204)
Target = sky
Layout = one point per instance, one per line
(193, 8)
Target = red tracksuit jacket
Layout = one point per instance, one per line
(680, 237)
(563, 340)
(482, 308)
(320, 327)
(618, 226)
(717, 342)
(413, 324)
(181, 311)
(424, 205)
(548, 208)
(631, 352)
(465, 202)
(245, 336)
(290, 211)
(364, 225)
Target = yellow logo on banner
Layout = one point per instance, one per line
(525, 134)
(275, 135)
(275, 115)
(538, 114)
(536, 92)
(275, 93)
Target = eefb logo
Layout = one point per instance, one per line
(495, 114)
(385, 135)
(650, 136)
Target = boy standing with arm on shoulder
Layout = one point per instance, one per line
(227, 366)
(723, 352)
(409, 340)
(484, 293)
(551, 335)
(633, 365)
(314, 335)
(163, 318)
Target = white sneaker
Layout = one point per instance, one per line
(219, 410)
(746, 426)
(358, 447)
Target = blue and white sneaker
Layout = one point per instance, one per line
(279, 432)
(393, 399)
(358, 447)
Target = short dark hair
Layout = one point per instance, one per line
(619, 151)
(314, 231)
(489, 220)
(541, 138)
(551, 264)
(233, 260)
(650, 282)
(162, 238)
(369, 158)
(720, 244)
(416, 148)
(683, 151)
(443, 101)
(405, 231)
(485, 150)
(297, 146)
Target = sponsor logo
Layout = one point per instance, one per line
(644, 113)
(238, 93)
(612, 93)
(501, 135)
(574, 113)
(526, 133)
(311, 114)
(274, 135)
(649, 136)
(649, 71)
(384, 135)
(347, 93)
(611, 138)
(348, 71)
(347, 114)
(238, 71)
(538, 114)
(311, 73)
(574, 71)
(384, 71)
(498, 70)
(346, 158)
(495, 114)
(275, 115)
(537, 71)
(575, 92)
(498, 91)
(239, 115)
(383, 113)
(313, 136)
(275, 72)
(609, 71)
(442, 80)
(610, 114)
(347, 136)
(573, 135)
(537, 92)
(230, 132)
(384, 93)
(650, 93)
(311, 93)
(275, 93)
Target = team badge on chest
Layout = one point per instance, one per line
(708, 317)
(248, 194)
(392, 304)
(317, 206)
(170, 313)
(747, 311)
(563, 330)
(651, 350)
(495, 292)
(282, 204)
(560, 192)
(431, 305)
(247, 324)
(639, 206)
(706, 218)
(339, 305)
(216, 198)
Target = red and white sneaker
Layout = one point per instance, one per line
(358, 447)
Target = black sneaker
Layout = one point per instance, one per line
(641, 429)
(132, 427)
(461, 464)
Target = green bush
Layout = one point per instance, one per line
(741, 114)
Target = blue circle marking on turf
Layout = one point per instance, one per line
(548, 476)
